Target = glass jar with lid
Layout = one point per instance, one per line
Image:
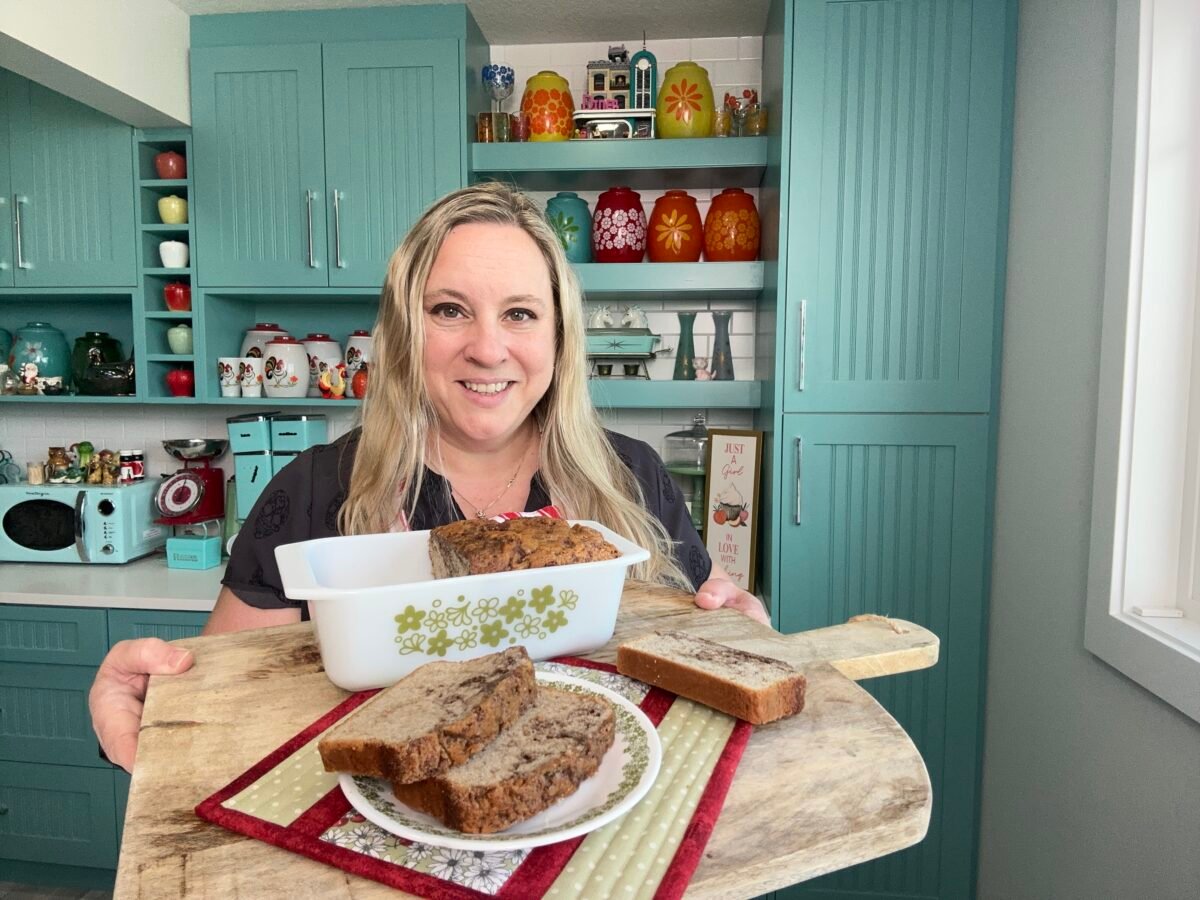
(686, 457)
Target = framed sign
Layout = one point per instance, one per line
(731, 502)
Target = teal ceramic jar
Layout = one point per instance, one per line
(45, 347)
(572, 221)
(93, 348)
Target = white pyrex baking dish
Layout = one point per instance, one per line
(378, 613)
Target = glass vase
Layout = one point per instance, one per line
(722, 357)
(684, 369)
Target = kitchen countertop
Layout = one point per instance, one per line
(142, 584)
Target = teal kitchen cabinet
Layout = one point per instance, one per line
(67, 175)
(312, 160)
(895, 207)
(888, 515)
(259, 167)
(393, 145)
(62, 805)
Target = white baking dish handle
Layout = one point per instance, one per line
(293, 559)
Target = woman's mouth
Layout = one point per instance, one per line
(486, 387)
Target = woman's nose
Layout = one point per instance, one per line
(486, 344)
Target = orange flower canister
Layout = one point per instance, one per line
(731, 228)
(547, 101)
(675, 229)
(685, 103)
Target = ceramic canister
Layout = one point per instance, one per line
(731, 228)
(172, 210)
(285, 371)
(685, 104)
(619, 227)
(179, 338)
(323, 353)
(568, 215)
(170, 164)
(174, 254)
(547, 101)
(358, 351)
(255, 341)
(93, 348)
(44, 346)
(675, 231)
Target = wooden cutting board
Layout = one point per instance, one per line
(836, 785)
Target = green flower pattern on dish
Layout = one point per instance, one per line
(637, 758)
(489, 621)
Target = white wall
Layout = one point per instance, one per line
(1091, 785)
(128, 59)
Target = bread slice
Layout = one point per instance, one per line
(479, 546)
(751, 687)
(435, 717)
(539, 759)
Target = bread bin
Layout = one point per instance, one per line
(378, 613)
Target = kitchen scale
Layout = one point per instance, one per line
(196, 493)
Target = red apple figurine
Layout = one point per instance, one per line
(170, 165)
(358, 384)
(177, 295)
(181, 382)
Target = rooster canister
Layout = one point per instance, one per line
(257, 338)
(685, 105)
(619, 227)
(285, 370)
(568, 215)
(731, 228)
(675, 231)
(547, 101)
(323, 353)
(358, 354)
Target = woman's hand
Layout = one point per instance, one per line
(719, 591)
(120, 687)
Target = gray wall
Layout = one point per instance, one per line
(1091, 785)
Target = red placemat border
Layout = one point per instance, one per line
(536, 873)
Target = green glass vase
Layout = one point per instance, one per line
(685, 368)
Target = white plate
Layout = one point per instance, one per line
(626, 773)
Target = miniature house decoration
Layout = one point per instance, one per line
(608, 80)
(643, 79)
(618, 101)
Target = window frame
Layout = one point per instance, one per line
(1161, 654)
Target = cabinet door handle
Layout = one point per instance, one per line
(18, 202)
(803, 340)
(308, 198)
(799, 478)
(3, 262)
(337, 228)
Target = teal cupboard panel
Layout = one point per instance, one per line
(53, 634)
(393, 145)
(130, 624)
(57, 814)
(71, 177)
(44, 715)
(895, 205)
(6, 246)
(887, 515)
(258, 141)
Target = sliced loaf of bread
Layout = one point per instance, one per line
(480, 546)
(437, 716)
(751, 687)
(539, 759)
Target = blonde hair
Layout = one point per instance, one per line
(578, 465)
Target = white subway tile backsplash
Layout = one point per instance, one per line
(738, 72)
(714, 48)
(750, 46)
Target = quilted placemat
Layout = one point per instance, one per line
(289, 800)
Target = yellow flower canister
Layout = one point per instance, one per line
(547, 101)
(685, 103)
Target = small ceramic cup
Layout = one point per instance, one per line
(227, 374)
(250, 375)
(174, 254)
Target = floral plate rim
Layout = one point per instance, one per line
(636, 768)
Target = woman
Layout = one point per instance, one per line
(478, 404)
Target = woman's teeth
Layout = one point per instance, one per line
(494, 387)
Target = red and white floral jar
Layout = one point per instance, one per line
(619, 227)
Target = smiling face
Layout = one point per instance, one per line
(489, 334)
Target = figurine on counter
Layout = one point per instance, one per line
(103, 468)
(57, 464)
(332, 381)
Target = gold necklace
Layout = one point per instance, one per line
(481, 511)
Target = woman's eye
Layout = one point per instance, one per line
(521, 315)
(446, 311)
